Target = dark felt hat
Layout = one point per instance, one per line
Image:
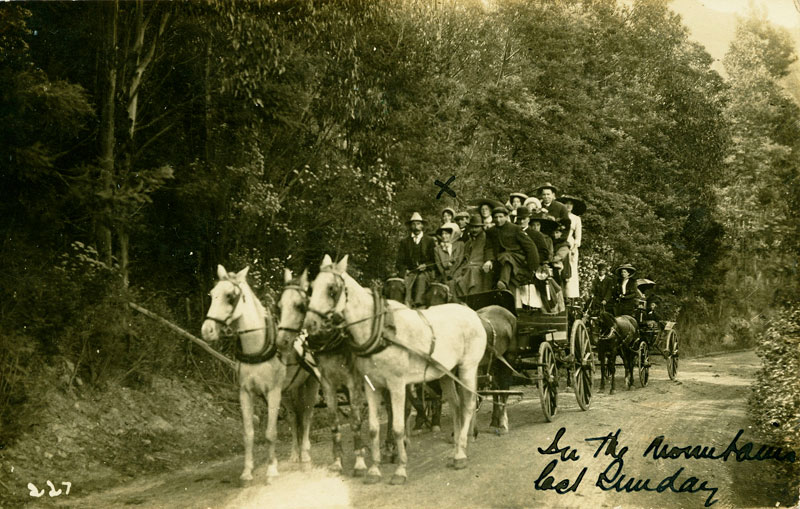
(475, 220)
(547, 185)
(547, 221)
(523, 212)
(500, 210)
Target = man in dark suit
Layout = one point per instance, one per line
(602, 289)
(547, 194)
(416, 261)
(475, 275)
(514, 251)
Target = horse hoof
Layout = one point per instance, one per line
(397, 480)
(460, 463)
(372, 479)
(361, 472)
(612, 391)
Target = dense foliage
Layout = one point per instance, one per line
(156, 140)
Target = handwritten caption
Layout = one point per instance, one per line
(35, 492)
(613, 478)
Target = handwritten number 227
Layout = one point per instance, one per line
(53, 491)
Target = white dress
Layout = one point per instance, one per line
(574, 242)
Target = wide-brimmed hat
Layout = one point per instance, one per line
(475, 220)
(578, 205)
(500, 210)
(535, 201)
(463, 213)
(521, 196)
(548, 223)
(454, 229)
(448, 209)
(547, 185)
(416, 217)
(523, 212)
(486, 201)
(627, 266)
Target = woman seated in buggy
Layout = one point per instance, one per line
(541, 291)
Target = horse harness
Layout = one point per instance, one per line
(378, 340)
(270, 348)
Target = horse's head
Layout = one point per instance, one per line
(292, 308)
(607, 324)
(226, 303)
(328, 296)
(436, 294)
(394, 288)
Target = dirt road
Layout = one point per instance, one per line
(705, 407)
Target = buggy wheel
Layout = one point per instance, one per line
(583, 372)
(672, 354)
(643, 363)
(548, 381)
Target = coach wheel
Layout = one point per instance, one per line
(672, 354)
(548, 381)
(643, 363)
(581, 349)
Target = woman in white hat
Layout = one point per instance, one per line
(449, 254)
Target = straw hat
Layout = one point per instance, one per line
(416, 217)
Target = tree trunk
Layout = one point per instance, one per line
(106, 134)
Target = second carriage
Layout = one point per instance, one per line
(546, 345)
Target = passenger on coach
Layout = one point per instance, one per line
(575, 208)
(652, 314)
(560, 260)
(448, 215)
(626, 291)
(476, 272)
(515, 253)
(449, 255)
(416, 260)
(486, 213)
(547, 193)
(542, 225)
(533, 204)
(515, 200)
(461, 219)
(602, 289)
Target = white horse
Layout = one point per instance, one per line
(446, 336)
(335, 362)
(262, 369)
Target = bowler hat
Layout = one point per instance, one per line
(475, 220)
(416, 217)
(578, 205)
(523, 212)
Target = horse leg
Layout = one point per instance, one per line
(373, 403)
(449, 393)
(466, 408)
(436, 406)
(246, 401)
(398, 396)
(333, 412)
(602, 354)
(305, 407)
(611, 363)
(273, 409)
(360, 468)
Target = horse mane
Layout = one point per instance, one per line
(606, 321)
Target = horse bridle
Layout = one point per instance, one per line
(227, 331)
(302, 291)
(334, 315)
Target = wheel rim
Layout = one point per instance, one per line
(644, 370)
(672, 355)
(548, 390)
(583, 372)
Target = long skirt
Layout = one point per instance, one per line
(572, 290)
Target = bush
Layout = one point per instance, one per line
(775, 402)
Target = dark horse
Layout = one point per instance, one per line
(618, 336)
(501, 333)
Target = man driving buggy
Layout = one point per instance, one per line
(416, 260)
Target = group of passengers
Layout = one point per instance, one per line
(528, 246)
